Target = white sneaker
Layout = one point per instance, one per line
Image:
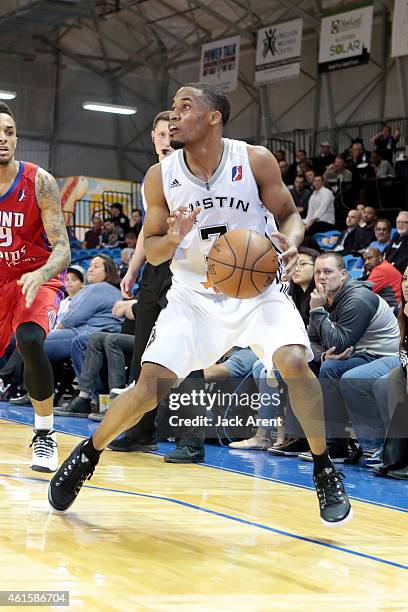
(45, 451)
(116, 391)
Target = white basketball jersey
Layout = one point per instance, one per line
(229, 200)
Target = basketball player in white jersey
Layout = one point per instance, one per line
(209, 186)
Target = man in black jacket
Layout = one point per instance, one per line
(397, 252)
(349, 326)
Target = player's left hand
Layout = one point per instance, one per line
(30, 283)
(289, 255)
(318, 297)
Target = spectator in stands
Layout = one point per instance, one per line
(93, 237)
(382, 167)
(109, 228)
(345, 243)
(113, 241)
(90, 311)
(349, 326)
(397, 252)
(360, 206)
(337, 173)
(119, 219)
(300, 195)
(382, 231)
(284, 169)
(131, 239)
(326, 157)
(280, 155)
(395, 451)
(113, 348)
(301, 164)
(320, 214)
(385, 279)
(125, 257)
(135, 218)
(386, 143)
(309, 177)
(365, 235)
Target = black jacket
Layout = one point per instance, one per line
(397, 252)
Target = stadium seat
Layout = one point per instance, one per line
(327, 240)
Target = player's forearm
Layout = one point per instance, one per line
(58, 260)
(293, 228)
(159, 249)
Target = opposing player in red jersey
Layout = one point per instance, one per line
(34, 251)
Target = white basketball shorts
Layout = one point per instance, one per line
(196, 329)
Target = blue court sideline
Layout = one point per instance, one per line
(361, 482)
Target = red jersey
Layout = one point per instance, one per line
(24, 246)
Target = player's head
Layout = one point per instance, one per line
(8, 136)
(161, 134)
(197, 110)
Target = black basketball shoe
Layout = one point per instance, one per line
(67, 482)
(335, 509)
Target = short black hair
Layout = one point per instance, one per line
(216, 98)
(5, 109)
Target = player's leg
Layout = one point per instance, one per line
(306, 399)
(39, 382)
(126, 410)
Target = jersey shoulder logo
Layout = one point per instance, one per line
(175, 183)
(236, 173)
(21, 195)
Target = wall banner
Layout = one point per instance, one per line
(219, 63)
(278, 51)
(399, 40)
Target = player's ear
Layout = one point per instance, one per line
(215, 117)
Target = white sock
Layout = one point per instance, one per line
(44, 422)
(84, 394)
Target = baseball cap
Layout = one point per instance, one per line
(325, 143)
(78, 270)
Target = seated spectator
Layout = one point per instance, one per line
(90, 311)
(284, 168)
(365, 235)
(301, 164)
(397, 252)
(325, 159)
(119, 219)
(382, 167)
(386, 143)
(113, 241)
(280, 155)
(360, 168)
(382, 231)
(93, 237)
(360, 206)
(125, 257)
(385, 279)
(349, 326)
(300, 195)
(320, 214)
(109, 228)
(131, 239)
(114, 349)
(135, 222)
(345, 243)
(309, 177)
(395, 451)
(337, 174)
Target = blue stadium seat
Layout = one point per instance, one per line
(354, 266)
(327, 240)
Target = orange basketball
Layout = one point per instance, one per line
(242, 264)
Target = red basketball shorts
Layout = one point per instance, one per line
(13, 310)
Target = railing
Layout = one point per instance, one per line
(339, 137)
(81, 219)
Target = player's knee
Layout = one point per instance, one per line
(30, 339)
(291, 363)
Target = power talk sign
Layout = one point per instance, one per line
(219, 63)
(345, 38)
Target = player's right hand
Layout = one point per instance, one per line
(127, 283)
(180, 223)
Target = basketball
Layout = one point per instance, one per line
(242, 264)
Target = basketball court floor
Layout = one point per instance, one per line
(240, 532)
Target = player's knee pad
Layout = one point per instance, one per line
(38, 375)
(30, 339)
